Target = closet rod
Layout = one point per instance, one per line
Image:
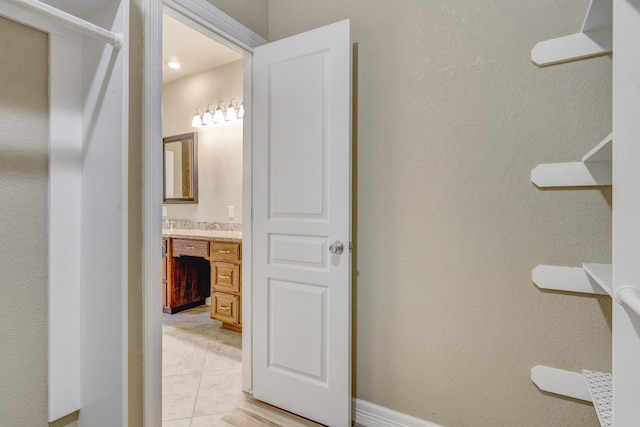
(629, 297)
(73, 22)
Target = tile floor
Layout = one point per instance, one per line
(201, 369)
(202, 377)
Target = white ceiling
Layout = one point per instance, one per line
(195, 51)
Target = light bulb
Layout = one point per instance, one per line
(231, 113)
(218, 116)
(207, 118)
(196, 122)
(174, 64)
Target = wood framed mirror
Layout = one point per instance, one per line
(180, 171)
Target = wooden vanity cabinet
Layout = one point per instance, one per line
(226, 262)
(186, 274)
(196, 268)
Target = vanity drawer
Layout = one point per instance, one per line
(225, 277)
(188, 247)
(225, 307)
(225, 251)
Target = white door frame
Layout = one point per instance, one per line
(200, 15)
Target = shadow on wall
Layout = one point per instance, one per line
(70, 420)
(354, 219)
(23, 161)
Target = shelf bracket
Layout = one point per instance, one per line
(574, 174)
(594, 39)
(568, 279)
(594, 170)
(559, 381)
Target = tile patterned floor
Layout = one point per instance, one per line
(201, 370)
(202, 377)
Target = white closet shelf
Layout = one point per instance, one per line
(594, 169)
(591, 386)
(594, 39)
(600, 387)
(602, 274)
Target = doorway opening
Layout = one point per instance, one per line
(325, 129)
(216, 25)
(202, 128)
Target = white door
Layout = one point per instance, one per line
(301, 220)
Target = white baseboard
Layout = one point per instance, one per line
(367, 414)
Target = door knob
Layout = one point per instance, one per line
(336, 247)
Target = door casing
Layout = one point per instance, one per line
(206, 18)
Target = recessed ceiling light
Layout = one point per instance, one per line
(174, 64)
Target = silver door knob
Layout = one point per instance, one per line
(336, 247)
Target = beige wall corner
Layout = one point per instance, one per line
(135, 197)
(254, 14)
(451, 117)
(24, 157)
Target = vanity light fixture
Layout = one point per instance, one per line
(221, 114)
(196, 122)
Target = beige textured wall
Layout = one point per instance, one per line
(251, 13)
(219, 146)
(24, 139)
(451, 118)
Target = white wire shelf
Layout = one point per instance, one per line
(601, 273)
(590, 386)
(600, 387)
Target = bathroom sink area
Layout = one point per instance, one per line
(208, 234)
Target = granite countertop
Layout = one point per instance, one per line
(228, 236)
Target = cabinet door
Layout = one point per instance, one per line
(225, 308)
(190, 247)
(225, 251)
(225, 277)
